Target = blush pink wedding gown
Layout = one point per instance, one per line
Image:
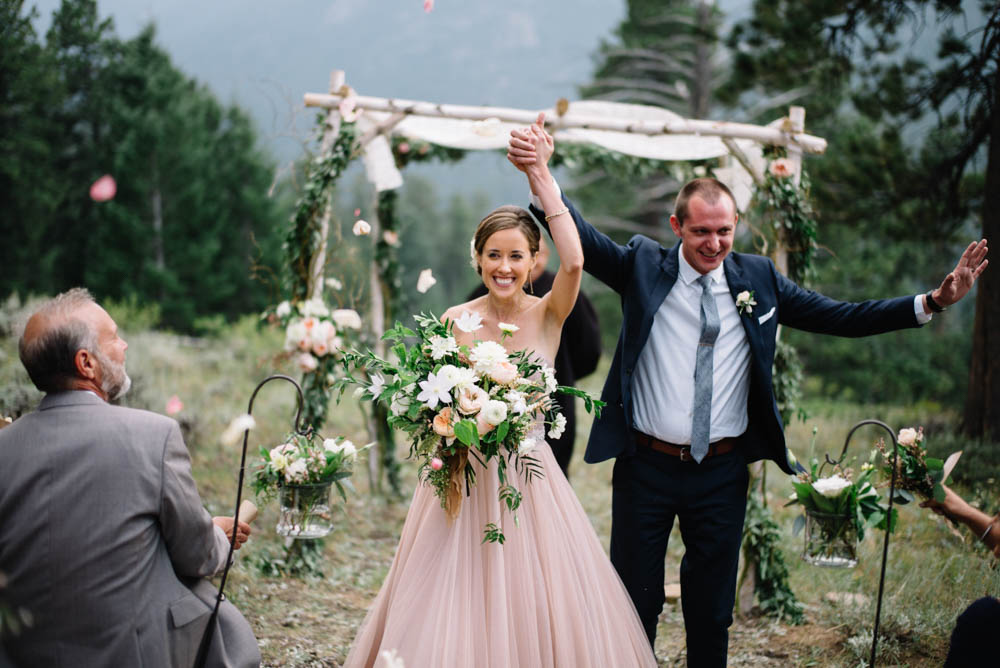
(548, 597)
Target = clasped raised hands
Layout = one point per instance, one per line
(531, 148)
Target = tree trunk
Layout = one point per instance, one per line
(982, 403)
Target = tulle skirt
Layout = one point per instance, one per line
(548, 597)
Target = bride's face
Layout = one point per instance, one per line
(506, 262)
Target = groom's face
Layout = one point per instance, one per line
(707, 232)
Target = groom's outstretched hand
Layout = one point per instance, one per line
(958, 283)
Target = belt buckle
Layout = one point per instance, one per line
(685, 455)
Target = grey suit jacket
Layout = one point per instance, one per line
(105, 540)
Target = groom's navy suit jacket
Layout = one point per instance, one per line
(643, 272)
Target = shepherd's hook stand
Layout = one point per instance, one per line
(206, 640)
(888, 519)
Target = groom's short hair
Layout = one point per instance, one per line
(708, 189)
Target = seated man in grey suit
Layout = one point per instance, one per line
(103, 536)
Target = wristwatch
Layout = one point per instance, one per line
(934, 306)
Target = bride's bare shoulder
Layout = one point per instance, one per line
(455, 312)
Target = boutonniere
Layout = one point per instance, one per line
(745, 302)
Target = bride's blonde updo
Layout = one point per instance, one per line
(505, 218)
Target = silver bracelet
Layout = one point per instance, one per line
(989, 527)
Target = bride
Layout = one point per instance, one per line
(548, 596)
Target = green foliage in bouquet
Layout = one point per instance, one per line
(915, 471)
(457, 402)
(303, 461)
(839, 495)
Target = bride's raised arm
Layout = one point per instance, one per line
(566, 284)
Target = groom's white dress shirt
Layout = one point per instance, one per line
(663, 380)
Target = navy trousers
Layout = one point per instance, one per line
(650, 490)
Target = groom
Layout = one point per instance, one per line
(689, 395)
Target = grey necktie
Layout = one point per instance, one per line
(702, 420)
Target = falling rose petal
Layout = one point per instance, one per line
(174, 405)
(425, 281)
(357, 212)
(103, 189)
(428, 5)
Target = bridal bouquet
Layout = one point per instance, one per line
(459, 401)
(915, 471)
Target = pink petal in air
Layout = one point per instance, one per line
(174, 405)
(428, 5)
(103, 189)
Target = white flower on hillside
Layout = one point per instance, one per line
(425, 281)
(284, 309)
(469, 322)
(441, 346)
(486, 354)
(346, 318)
(315, 307)
(831, 487)
(240, 424)
(361, 228)
(433, 390)
(558, 427)
(494, 412)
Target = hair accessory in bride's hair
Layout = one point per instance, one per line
(472, 253)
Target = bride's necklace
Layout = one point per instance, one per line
(491, 309)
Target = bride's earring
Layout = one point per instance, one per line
(531, 288)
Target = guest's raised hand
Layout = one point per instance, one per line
(958, 283)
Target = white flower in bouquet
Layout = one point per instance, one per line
(486, 354)
(526, 446)
(503, 373)
(450, 374)
(346, 318)
(464, 378)
(483, 426)
(315, 307)
(346, 447)
(279, 462)
(469, 322)
(307, 363)
(240, 424)
(296, 336)
(558, 426)
(494, 412)
(433, 390)
(361, 228)
(283, 310)
(471, 400)
(831, 487)
(425, 281)
(441, 346)
(909, 436)
(549, 374)
(401, 401)
(507, 328)
(378, 384)
(296, 471)
(518, 402)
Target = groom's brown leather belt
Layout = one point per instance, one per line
(720, 447)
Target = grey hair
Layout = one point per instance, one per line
(50, 358)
